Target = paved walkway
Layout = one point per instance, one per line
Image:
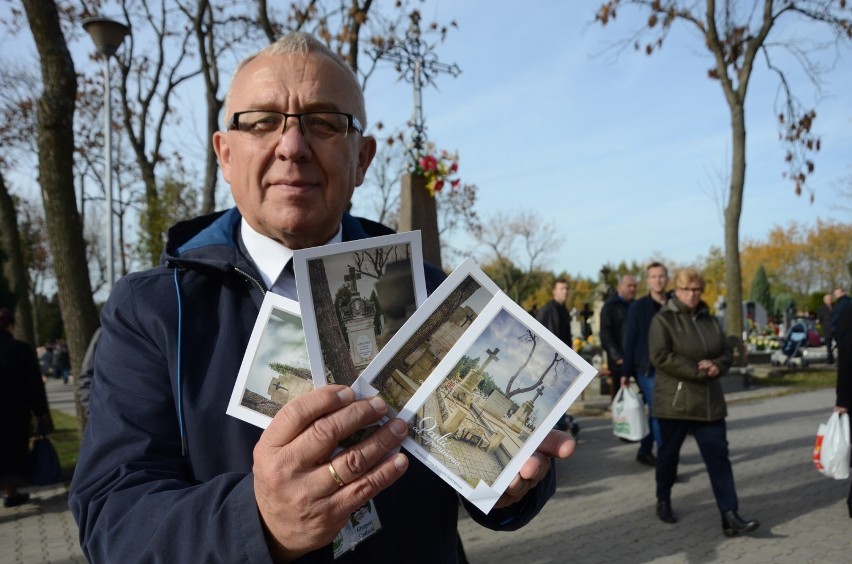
(603, 510)
(603, 507)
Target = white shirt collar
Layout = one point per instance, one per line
(269, 255)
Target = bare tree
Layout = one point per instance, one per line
(56, 176)
(736, 33)
(516, 248)
(555, 363)
(336, 355)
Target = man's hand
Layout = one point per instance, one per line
(839, 409)
(301, 504)
(556, 444)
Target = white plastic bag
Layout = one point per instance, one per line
(629, 420)
(832, 447)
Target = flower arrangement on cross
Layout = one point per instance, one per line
(438, 168)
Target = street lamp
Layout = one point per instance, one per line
(107, 36)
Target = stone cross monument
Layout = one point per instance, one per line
(418, 64)
(464, 391)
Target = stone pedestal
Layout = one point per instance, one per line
(464, 390)
(454, 421)
(417, 210)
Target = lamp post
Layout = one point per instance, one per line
(107, 36)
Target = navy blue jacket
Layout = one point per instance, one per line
(170, 348)
(637, 360)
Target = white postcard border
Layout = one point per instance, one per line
(306, 300)
(271, 302)
(483, 496)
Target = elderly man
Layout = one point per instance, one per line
(613, 325)
(163, 473)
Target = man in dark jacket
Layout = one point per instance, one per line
(842, 324)
(553, 314)
(163, 473)
(613, 324)
(637, 362)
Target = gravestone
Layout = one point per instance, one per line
(358, 318)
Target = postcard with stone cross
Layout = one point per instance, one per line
(491, 400)
(410, 356)
(275, 366)
(354, 296)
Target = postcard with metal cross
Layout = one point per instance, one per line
(410, 356)
(492, 399)
(275, 366)
(354, 296)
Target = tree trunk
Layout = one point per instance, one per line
(337, 357)
(733, 211)
(56, 177)
(15, 270)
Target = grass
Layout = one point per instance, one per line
(66, 440)
(800, 380)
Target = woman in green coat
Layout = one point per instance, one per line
(690, 352)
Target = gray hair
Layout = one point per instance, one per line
(301, 43)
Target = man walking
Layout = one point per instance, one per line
(637, 362)
(613, 324)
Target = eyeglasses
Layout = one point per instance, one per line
(319, 126)
(692, 290)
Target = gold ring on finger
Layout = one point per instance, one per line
(335, 475)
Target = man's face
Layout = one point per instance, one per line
(560, 292)
(290, 190)
(627, 288)
(657, 279)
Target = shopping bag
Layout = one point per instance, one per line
(629, 420)
(832, 448)
(44, 463)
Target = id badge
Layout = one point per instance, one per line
(363, 523)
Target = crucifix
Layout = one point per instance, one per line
(538, 393)
(467, 319)
(492, 355)
(352, 279)
(417, 63)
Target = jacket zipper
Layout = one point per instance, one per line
(677, 393)
(251, 279)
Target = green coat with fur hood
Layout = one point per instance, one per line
(677, 340)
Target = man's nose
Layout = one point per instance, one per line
(292, 143)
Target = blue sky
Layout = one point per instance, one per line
(622, 151)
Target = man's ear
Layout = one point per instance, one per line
(366, 152)
(223, 153)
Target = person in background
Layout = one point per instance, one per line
(637, 362)
(553, 314)
(824, 317)
(843, 336)
(613, 324)
(690, 353)
(163, 473)
(22, 395)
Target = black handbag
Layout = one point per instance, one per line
(44, 462)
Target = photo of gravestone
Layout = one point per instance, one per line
(479, 417)
(279, 370)
(360, 299)
(403, 374)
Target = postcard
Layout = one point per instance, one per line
(413, 352)
(354, 297)
(491, 400)
(275, 366)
